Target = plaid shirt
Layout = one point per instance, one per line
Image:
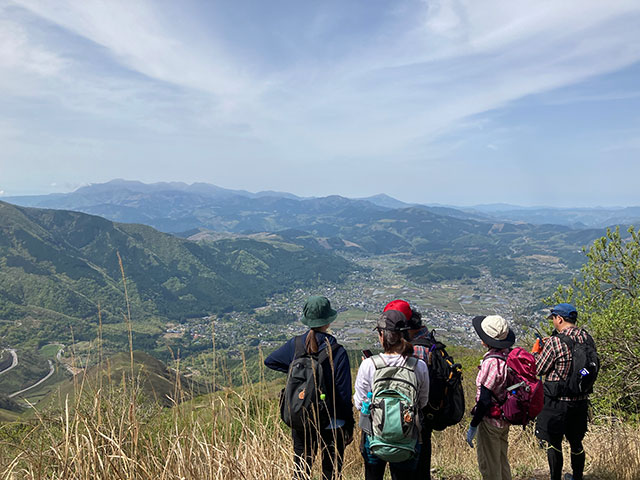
(420, 351)
(493, 375)
(555, 359)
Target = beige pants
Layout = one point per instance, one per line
(492, 452)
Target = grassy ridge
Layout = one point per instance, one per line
(105, 427)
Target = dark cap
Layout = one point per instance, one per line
(565, 310)
(393, 320)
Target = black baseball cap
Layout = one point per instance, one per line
(392, 320)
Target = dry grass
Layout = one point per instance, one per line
(110, 433)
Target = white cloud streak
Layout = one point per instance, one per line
(519, 47)
(389, 90)
(138, 35)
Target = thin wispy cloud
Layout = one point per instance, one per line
(301, 87)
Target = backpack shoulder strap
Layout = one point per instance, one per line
(300, 348)
(378, 362)
(411, 363)
(323, 354)
(567, 340)
(499, 357)
(587, 338)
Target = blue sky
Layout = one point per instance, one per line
(456, 102)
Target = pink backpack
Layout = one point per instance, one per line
(525, 396)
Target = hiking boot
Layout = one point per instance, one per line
(568, 476)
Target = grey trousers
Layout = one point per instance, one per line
(492, 452)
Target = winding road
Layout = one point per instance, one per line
(15, 360)
(51, 370)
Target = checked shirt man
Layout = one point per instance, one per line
(563, 415)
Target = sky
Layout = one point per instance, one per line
(454, 102)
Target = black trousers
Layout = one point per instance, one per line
(563, 419)
(424, 461)
(305, 446)
(375, 471)
(375, 467)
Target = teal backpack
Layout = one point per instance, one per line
(394, 411)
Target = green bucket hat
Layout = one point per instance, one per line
(318, 312)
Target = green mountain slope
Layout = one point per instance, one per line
(156, 382)
(58, 267)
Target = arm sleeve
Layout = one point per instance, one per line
(546, 358)
(344, 405)
(281, 358)
(363, 382)
(482, 406)
(422, 372)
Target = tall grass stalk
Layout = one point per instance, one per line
(112, 432)
(108, 430)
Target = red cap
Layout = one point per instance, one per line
(400, 306)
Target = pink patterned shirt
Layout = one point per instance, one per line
(493, 375)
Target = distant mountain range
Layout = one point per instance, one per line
(373, 225)
(572, 217)
(177, 207)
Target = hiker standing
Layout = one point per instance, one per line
(446, 396)
(566, 389)
(491, 391)
(417, 332)
(391, 389)
(328, 421)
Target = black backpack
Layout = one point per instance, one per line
(305, 399)
(584, 369)
(446, 397)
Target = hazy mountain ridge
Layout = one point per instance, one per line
(371, 224)
(596, 217)
(177, 207)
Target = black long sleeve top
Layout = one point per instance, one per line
(281, 358)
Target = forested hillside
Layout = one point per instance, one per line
(58, 268)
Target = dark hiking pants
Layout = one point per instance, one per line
(305, 446)
(560, 419)
(423, 472)
(374, 467)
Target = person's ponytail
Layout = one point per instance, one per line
(407, 348)
(310, 343)
(396, 342)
